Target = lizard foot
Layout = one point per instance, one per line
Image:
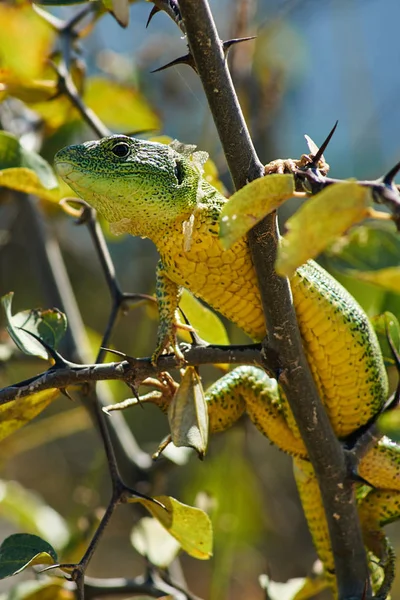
(165, 388)
(167, 341)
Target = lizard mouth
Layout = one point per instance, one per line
(69, 172)
(64, 168)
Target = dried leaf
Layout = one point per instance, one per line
(188, 413)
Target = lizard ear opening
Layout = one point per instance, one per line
(179, 172)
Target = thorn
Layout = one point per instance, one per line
(116, 352)
(388, 179)
(135, 393)
(196, 339)
(318, 155)
(188, 58)
(182, 60)
(229, 43)
(154, 11)
(358, 479)
(65, 393)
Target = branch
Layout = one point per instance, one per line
(132, 371)
(283, 334)
(153, 585)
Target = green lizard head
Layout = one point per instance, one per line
(136, 184)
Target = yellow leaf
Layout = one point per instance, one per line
(190, 526)
(188, 414)
(119, 106)
(249, 205)
(51, 591)
(47, 589)
(207, 324)
(17, 413)
(388, 278)
(26, 180)
(27, 90)
(25, 41)
(319, 222)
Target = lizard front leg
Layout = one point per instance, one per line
(168, 295)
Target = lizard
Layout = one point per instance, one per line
(158, 191)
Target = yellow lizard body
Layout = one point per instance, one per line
(157, 191)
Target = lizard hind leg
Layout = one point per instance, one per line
(379, 506)
(311, 501)
(250, 389)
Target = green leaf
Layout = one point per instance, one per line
(29, 512)
(319, 222)
(389, 424)
(23, 550)
(251, 204)
(49, 325)
(207, 324)
(13, 155)
(367, 248)
(190, 526)
(188, 414)
(154, 542)
(16, 413)
(386, 325)
(240, 505)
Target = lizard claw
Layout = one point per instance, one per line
(167, 341)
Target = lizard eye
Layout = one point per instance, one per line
(179, 174)
(121, 150)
